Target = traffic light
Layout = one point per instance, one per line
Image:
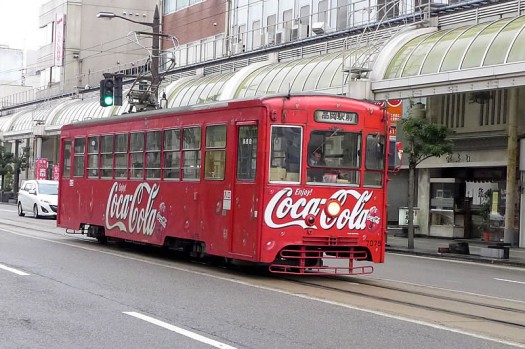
(107, 92)
(117, 90)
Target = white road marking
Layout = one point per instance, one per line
(1, 209)
(244, 283)
(179, 330)
(514, 281)
(13, 270)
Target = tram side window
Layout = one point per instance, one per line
(93, 157)
(121, 156)
(66, 161)
(215, 156)
(136, 156)
(374, 160)
(247, 153)
(78, 164)
(172, 154)
(153, 142)
(106, 156)
(191, 145)
(285, 152)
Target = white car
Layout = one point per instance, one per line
(39, 197)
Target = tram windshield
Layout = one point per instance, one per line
(331, 157)
(334, 156)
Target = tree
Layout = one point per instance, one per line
(21, 162)
(6, 159)
(423, 140)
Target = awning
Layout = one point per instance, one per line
(458, 60)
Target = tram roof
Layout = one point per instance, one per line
(248, 101)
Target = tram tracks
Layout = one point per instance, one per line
(471, 313)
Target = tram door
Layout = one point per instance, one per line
(245, 194)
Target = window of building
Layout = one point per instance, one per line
(256, 34)
(271, 24)
(247, 152)
(191, 145)
(172, 154)
(79, 157)
(304, 21)
(215, 156)
(322, 15)
(342, 14)
(66, 161)
(171, 6)
(153, 142)
(288, 18)
(136, 155)
(121, 156)
(106, 156)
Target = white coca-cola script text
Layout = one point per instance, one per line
(132, 213)
(282, 211)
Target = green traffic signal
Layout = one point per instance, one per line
(106, 92)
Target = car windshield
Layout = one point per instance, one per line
(48, 188)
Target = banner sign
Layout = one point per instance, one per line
(56, 170)
(41, 169)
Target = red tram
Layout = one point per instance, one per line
(292, 182)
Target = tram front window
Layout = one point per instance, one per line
(334, 156)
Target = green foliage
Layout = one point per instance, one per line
(425, 139)
(8, 185)
(22, 161)
(485, 210)
(6, 159)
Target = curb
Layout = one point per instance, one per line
(452, 256)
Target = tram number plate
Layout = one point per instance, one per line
(374, 242)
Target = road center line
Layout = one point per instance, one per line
(514, 281)
(179, 330)
(13, 270)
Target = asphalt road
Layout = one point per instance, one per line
(63, 291)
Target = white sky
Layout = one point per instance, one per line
(19, 23)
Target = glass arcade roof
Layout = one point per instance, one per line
(462, 48)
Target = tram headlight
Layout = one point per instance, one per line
(332, 208)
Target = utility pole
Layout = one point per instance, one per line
(155, 48)
(155, 78)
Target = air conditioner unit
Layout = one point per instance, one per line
(318, 28)
(287, 34)
(269, 39)
(279, 37)
(294, 34)
(262, 40)
(238, 48)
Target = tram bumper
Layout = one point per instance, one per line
(313, 260)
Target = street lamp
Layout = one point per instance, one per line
(155, 25)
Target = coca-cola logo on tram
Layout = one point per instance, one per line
(135, 212)
(290, 208)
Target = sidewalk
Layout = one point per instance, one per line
(428, 246)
